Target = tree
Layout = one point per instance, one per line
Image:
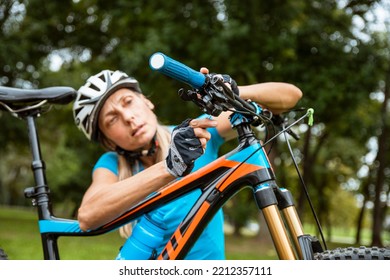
(313, 44)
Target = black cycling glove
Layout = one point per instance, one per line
(232, 83)
(184, 149)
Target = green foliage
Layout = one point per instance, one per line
(313, 44)
(240, 210)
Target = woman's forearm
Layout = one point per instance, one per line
(277, 97)
(107, 202)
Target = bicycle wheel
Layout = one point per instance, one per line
(3, 255)
(350, 253)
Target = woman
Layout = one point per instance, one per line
(111, 109)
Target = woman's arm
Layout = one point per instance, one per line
(107, 198)
(274, 96)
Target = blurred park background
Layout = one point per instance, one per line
(336, 51)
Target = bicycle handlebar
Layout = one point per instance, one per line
(210, 92)
(174, 69)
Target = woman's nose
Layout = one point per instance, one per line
(128, 116)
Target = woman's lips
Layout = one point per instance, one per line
(138, 130)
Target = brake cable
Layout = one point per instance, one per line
(309, 114)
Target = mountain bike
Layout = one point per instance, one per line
(246, 166)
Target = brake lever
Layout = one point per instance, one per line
(202, 101)
(215, 96)
(280, 121)
(218, 81)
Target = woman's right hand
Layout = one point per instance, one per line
(188, 143)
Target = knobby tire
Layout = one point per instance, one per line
(350, 253)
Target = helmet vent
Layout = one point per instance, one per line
(92, 86)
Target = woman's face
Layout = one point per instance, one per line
(127, 119)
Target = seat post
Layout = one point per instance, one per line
(40, 192)
(37, 165)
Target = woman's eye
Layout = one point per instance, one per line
(112, 120)
(128, 101)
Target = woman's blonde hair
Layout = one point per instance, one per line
(125, 170)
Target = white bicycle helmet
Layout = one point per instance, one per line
(91, 97)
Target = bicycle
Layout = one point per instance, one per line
(247, 165)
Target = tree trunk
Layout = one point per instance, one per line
(359, 221)
(383, 150)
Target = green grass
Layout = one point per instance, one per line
(19, 237)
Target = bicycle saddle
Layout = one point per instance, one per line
(53, 95)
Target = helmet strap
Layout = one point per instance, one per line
(132, 156)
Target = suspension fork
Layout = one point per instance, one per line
(290, 215)
(305, 244)
(274, 202)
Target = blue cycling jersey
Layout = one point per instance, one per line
(153, 230)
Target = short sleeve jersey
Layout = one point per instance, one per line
(210, 244)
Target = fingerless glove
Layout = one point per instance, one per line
(184, 149)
